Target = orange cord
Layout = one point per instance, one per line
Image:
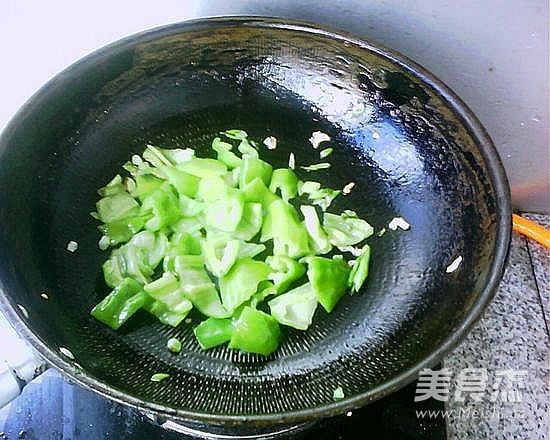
(531, 229)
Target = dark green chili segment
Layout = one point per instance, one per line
(248, 246)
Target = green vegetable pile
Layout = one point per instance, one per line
(232, 237)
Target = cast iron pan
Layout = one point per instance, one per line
(414, 151)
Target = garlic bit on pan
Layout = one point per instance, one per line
(317, 137)
(399, 222)
(454, 265)
(270, 142)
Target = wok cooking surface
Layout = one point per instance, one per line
(409, 145)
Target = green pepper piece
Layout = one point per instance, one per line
(324, 197)
(329, 279)
(296, 307)
(159, 157)
(212, 188)
(166, 315)
(346, 229)
(219, 258)
(253, 167)
(136, 259)
(201, 167)
(146, 184)
(199, 289)
(251, 222)
(289, 235)
(235, 134)
(265, 289)
(125, 300)
(285, 271)
(121, 231)
(115, 186)
(284, 180)
(152, 246)
(186, 184)
(319, 239)
(191, 225)
(225, 214)
(116, 207)
(164, 206)
(182, 243)
(167, 290)
(360, 270)
(225, 154)
(256, 191)
(241, 282)
(114, 270)
(246, 149)
(213, 332)
(255, 332)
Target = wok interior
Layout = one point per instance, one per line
(393, 136)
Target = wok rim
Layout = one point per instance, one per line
(486, 147)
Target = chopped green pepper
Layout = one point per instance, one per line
(199, 289)
(346, 229)
(289, 235)
(252, 168)
(359, 270)
(255, 332)
(225, 214)
(251, 222)
(164, 314)
(296, 307)
(329, 278)
(256, 191)
(285, 271)
(241, 282)
(125, 300)
(200, 167)
(116, 207)
(319, 238)
(213, 332)
(225, 154)
(164, 206)
(185, 184)
(146, 184)
(285, 181)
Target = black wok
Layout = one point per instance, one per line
(414, 151)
